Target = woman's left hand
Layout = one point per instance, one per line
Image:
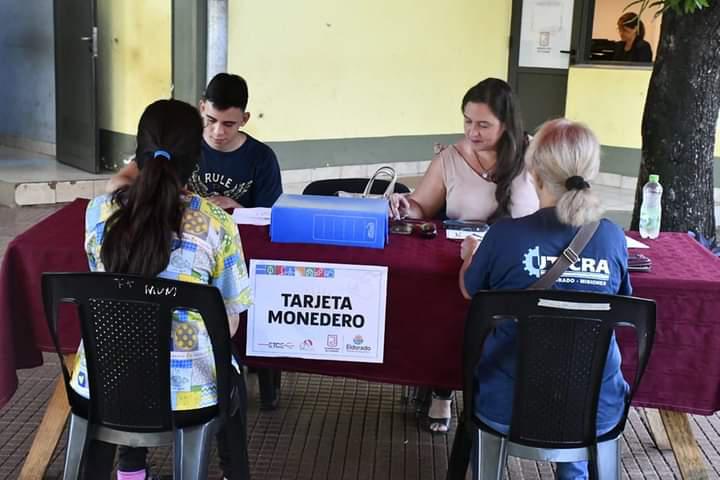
(468, 247)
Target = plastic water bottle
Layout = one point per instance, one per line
(651, 210)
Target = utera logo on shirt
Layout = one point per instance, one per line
(587, 271)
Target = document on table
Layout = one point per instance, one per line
(452, 234)
(251, 216)
(632, 243)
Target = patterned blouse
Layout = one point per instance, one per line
(209, 252)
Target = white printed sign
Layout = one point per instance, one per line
(321, 311)
(545, 31)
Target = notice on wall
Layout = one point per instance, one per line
(320, 311)
(545, 31)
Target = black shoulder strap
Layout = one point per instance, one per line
(569, 256)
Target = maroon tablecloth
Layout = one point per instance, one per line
(425, 312)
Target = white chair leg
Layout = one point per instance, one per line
(75, 447)
(608, 460)
(489, 455)
(191, 451)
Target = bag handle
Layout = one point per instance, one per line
(387, 171)
(569, 256)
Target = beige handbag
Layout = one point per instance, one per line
(386, 171)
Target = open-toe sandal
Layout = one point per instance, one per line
(439, 424)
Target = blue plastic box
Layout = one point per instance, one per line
(353, 222)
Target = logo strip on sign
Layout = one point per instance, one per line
(292, 271)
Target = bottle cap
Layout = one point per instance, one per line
(654, 177)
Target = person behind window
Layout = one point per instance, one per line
(481, 177)
(632, 46)
(153, 227)
(563, 158)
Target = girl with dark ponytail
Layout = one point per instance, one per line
(155, 227)
(138, 235)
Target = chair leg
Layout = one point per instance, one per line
(608, 460)
(405, 394)
(75, 447)
(489, 456)
(191, 451)
(461, 451)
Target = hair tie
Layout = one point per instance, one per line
(161, 153)
(576, 182)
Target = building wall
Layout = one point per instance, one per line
(322, 69)
(134, 69)
(27, 71)
(611, 100)
(134, 64)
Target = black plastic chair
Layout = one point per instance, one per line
(330, 187)
(126, 325)
(562, 343)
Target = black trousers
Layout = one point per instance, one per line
(269, 383)
(231, 439)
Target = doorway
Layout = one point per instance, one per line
(546, 37)
(76, 47)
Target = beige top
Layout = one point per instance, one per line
(469, 196)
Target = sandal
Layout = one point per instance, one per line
(440, 414)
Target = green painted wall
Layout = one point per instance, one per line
(626, 161)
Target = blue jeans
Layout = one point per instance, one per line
(565, 470)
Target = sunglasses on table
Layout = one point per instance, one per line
(407, 227)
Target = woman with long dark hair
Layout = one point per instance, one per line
(155, 227)
(481, 177)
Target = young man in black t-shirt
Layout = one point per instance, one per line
(235, 171)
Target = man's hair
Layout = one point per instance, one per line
(226, 90)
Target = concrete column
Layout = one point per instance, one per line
(217, 37)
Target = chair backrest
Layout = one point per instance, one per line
(562, 343)
(330, 187)
(126, 327)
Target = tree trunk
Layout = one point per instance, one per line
(680, 120)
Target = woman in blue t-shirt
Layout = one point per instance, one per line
(563, 158)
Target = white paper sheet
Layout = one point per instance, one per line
(251, 216)
(632, 243)
(545, 31)
(452, 234)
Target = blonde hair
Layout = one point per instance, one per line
(562, 149)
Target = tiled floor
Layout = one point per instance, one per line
(331, 427)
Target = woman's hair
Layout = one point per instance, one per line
(631, 20)
(138, 235)
(559, 153)
(498, 96)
